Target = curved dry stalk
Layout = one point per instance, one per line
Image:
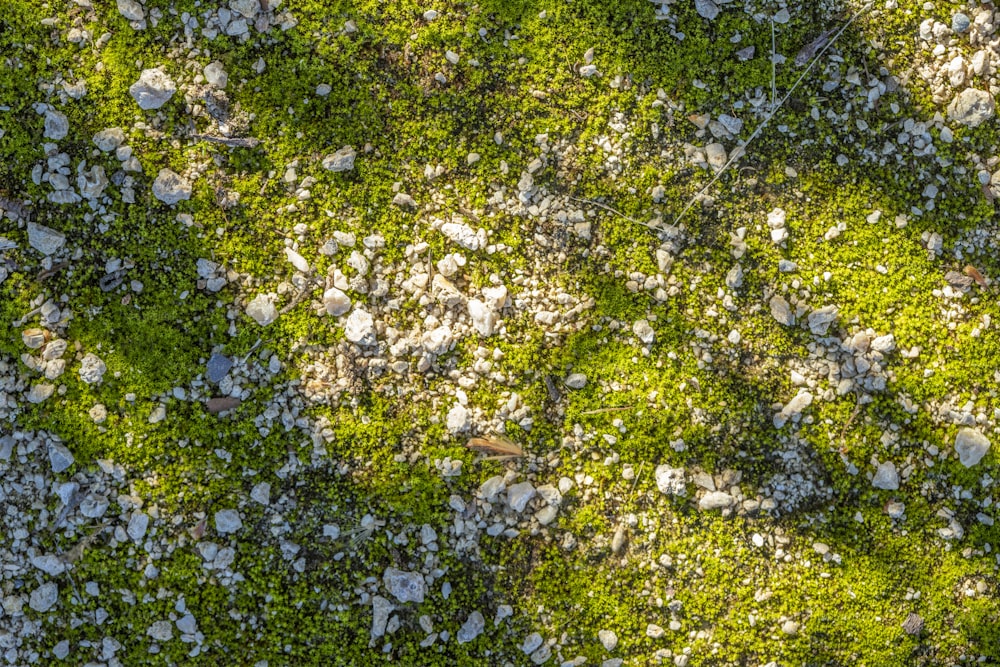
(741, 150)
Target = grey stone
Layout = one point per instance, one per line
(170, 187)
(519, 495)
(472, 628)
(781, 311)
(92, 369)
(94, 505)
(405, 586)
(137, 526)
(261, 493)
(217, 368)
(576, 381)
(59, 457)
(131, 10)
(706, 9)
(153, 89)
(187, 624)
(821, 319)
(50, 564)
(56, 125)
(228, 521)
(336, 302)
(886, 477)
(715, 500)
(342, 160)
(215, 74)
(608, 639)
(960, 22)
(972, 107)
(44, 597)
(262, 310)
(45, 239)
(971, 446)
(381, 608)
(161, 631)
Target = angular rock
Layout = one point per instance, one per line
(45, 239)
(131, 10)
(519, 495)
(644, 332)
(217, 368)
(262, 310)
(94, 505)
(781, 311)
(706, 9)
(92, 369)
(137, 526)
(44, 597)
(153, 89)
(56, 125)
(50, 564)
(91, 184)
(608, 639)
(109, 139)
(462, 234)
(971, 446)
(715, 500)
(715, 153)
(170, 187)
(458, 419)
(336, 302)
(576, 381)
(472, 628)
(405, 586)
(972, 107)
(821, 319)
(670, 480)
(342, 160)
(483, 317)
(886, 477)
(60, 458)
(228, 521)
(381, 608)
(215, 74)
(161, 631)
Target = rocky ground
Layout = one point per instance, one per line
(501, 333)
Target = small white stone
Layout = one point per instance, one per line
(430, 15)
(131, 10)
(297, 260)
(336, 302)
(670, 480)
(706, 9)
(781, 311)
(971, 446)
(56, 125)
(715, 500)
(92, 369)
(715, 153)
(821, 319)
(262, 310)
(644, 332)
(972, 107)
(472, 628)
(483, 317)
(458, 419)
(451, 57)
(109, 139)
(576, 381)
(608, 639)
(360, 327)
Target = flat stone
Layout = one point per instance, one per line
(706, 9)
(109, 139)
(228, 521)
(405, 586)
(153, 89)
(781, 311)
(519, 495)
(576, 381)
(971, 446)
(381, 608)
(472, 628)
(262, 310)
(972, 107)
(886, 477)
(131, 10)
(56, 125)
(50, 564)
(644, 332)
(187, 624)
(821, 319)
(60, 457)
(261, 492)
(94, 505)
(44, 597)
(670, 480)
(462, 235)
(217, 368)
(342, 160)
(137, 526)
(45, 239)
(715, 500)
(170, 187)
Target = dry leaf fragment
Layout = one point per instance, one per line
(973, 273)
(496, 445)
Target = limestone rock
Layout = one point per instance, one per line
(971, 446)
(342, 160)
(972, 107)
(153, 89)
(170, 187)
